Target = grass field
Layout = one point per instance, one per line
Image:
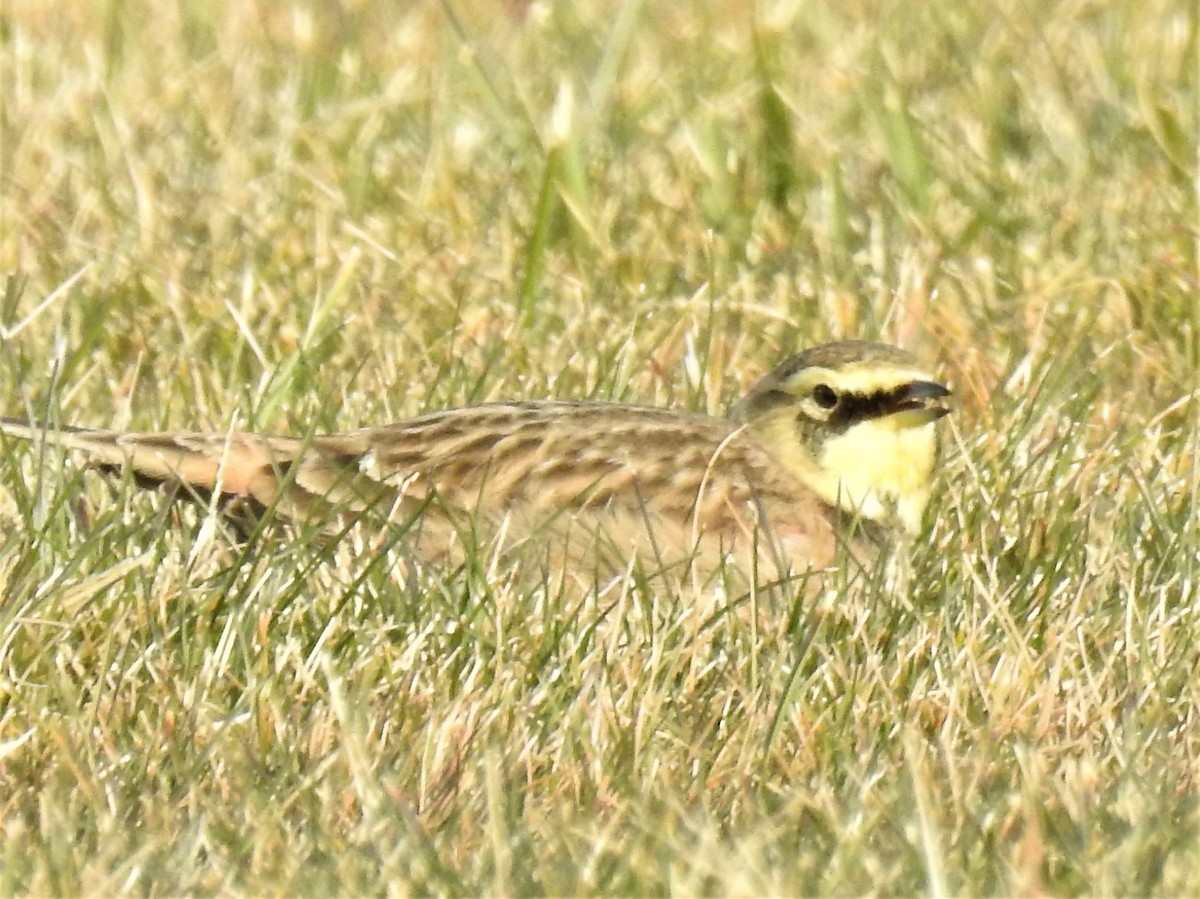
(314, 215)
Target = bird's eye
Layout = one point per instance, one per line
(825, 396)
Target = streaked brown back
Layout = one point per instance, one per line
(645, 482)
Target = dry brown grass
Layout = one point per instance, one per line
(327, 215)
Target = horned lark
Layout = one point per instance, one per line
(836, 447)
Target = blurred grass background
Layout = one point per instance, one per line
(304, 216)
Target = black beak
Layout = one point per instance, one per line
(925, 390)
(923, 395)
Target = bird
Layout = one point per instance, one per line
(829, 457)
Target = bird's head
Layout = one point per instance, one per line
(856, 423)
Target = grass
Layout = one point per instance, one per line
(316, 216)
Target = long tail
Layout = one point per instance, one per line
(301, 479)
(237, 463)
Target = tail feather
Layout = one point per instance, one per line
(238, 464)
